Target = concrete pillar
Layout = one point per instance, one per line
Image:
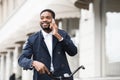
(87, 44)
(99, 38)
(8, 64)
(3, 65)
(5, 10)
(16, 3)
(0, 12)
(19, 2)
(10, 6)
(16, 67)
(26, 74)
(60, 25)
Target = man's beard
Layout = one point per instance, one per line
(46, 28)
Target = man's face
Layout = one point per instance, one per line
(45, 20)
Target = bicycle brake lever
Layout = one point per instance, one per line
(81, 67)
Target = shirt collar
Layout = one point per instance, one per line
(46, 34)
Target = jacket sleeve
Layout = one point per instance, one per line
(68, 44)
(25, 60)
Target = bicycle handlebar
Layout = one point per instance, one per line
(65, 77)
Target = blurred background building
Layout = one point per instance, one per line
(93, 25)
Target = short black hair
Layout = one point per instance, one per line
(49, 10)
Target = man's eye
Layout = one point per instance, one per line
(48, 17)
(41, 18)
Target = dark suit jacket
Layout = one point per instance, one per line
(36, 48)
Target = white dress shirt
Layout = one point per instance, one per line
(49, 44)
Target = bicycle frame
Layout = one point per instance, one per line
(65, 78)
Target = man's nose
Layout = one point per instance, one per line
(44, 19)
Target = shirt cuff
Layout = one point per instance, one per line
(31, 64)
(61, 39)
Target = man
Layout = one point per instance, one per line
(48, 49)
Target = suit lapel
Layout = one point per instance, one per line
(42, 42)
(54, 42)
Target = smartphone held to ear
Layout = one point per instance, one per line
(53, 21)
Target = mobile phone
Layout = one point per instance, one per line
(53, 20)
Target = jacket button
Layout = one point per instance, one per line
(41, 59)
(58, 52)
(62, 65)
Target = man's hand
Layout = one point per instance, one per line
(40, 67)
(54, 28)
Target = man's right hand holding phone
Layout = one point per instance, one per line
(54, 28)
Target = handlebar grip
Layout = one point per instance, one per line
(81, 67)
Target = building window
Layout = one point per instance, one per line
(70, 25)
(112, 44)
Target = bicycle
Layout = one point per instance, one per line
(65, 77)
